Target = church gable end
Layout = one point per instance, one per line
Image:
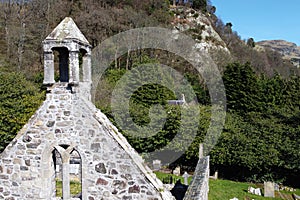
(68, 140)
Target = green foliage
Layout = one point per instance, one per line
(260, 140)
(261, 137)
(19, 99)
(241, 87)
(200, 5)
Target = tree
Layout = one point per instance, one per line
(18, 101)
(250, 42)
(241, 86)
(199, 5)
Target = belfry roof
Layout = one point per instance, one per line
(67, 29)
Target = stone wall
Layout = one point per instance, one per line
(199, 188)
(110, 167)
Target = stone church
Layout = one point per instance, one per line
(69, 140)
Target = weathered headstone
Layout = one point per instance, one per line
(255, 191)
(176, 171)
(185, 177)
(215, 176)
(156, 165)
(269, 189)
(276, 187)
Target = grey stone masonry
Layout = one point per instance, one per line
(199, 188)
(68, 138)
(66, 122)
(69, 42)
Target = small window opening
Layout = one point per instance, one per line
(61, 64)
(57, 179)
(75, 175)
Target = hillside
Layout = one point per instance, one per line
(289, 51)
(260, 139)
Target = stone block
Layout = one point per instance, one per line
(23, 168)
(3, 176)
(50, 123)
(127, 176)
(101, 181)
(27, 162)
(64, 123)
(33, 145)
(156, 165)
(134, 189)
(96, 147)
(100, 168)
(67, 113)
(17, 161)
(9, 170)
(119, 184)
(15, 184)
(114, 172)
(269, 189)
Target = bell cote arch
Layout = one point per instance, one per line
(71, 45)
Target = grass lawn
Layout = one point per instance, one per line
(225, 190)
(75, 188)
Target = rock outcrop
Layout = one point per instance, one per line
(196, 24)
(289, 50)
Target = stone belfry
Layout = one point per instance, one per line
(72, 47)
(68, 140)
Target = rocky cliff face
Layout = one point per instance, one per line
(289, 50)
(197, 25)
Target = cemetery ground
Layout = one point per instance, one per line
(218, 189)
(225, 189)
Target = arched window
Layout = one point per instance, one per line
(68, 172)
(75, 174)
(61, 63)
(57, 177)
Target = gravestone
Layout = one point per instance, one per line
(276, 187)
(215, 176)
(269, 189)
(176, 171)
(156, 165)
(185, 178)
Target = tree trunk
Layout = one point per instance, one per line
(7, 13)
(127, 59)
(22, 33)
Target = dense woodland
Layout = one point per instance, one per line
(261, 137)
